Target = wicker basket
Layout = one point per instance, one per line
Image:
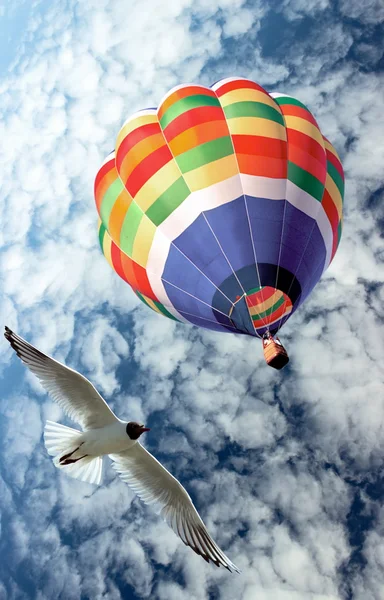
(274, 353)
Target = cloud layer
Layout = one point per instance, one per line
(285, 468)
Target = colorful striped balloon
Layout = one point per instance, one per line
(223, 207)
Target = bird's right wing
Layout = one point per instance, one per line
(71, 390)
(156, 486)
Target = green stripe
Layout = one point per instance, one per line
(253, 109)
(339, 231)
(129, 229)
(288, 100)
(254, 290)
(168, 201)
(109, 199)
(185, 104)
(305, 181)
(334, 173)
(165, 312)
(162, 309)
(102, 231)
(204, 154)
(270, 310)
(141, 297)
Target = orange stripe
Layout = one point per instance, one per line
(139, 152)
(127, 266)
(205, 132)
(103, 186)
(117, 216)
(262, 166)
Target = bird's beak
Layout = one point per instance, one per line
(143, 429)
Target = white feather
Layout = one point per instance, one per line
(71, 390)
(156, 486)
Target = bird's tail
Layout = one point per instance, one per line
(64, 444)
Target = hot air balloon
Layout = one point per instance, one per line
(222, 208)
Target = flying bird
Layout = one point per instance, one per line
(79, 453)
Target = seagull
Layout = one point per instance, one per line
(79, 453)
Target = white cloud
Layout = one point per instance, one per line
(370, 13)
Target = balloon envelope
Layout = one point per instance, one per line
(222, 207)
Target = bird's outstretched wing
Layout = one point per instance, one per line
(156, 486)
(71, 390)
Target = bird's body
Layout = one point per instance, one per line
(110, 439)
(79, 453)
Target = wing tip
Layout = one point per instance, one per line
(224, 562)
(10, 337)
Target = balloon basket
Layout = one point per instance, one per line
(274, 352)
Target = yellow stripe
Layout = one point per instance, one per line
(304, 126)
(263, 306)
(157, 185)
(286, 312)
(213, 172)
(152, 304)
(329, 147)
(256, 126)
(333, 191)
(107, 247)
(248, 95)
(143, 241)
(140, 151)
(134, 124)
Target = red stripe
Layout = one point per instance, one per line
(275, 315)
(133, 138)
(108, 166)
(302, 159)
(239, 84)
(143, 284)
(262, 166)
(257, 144)
(307, 143)
(116, 261)
(331, 212)
(148, 167)
(298, 111)
(195, 116)
(260, 296)
(336, 163)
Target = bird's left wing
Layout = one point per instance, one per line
(155, 485)
(71, 390)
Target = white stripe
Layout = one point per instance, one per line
(263, 187)
(279, 95)
(158, 255)
(197, 202)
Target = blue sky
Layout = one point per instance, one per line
(284, 467)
